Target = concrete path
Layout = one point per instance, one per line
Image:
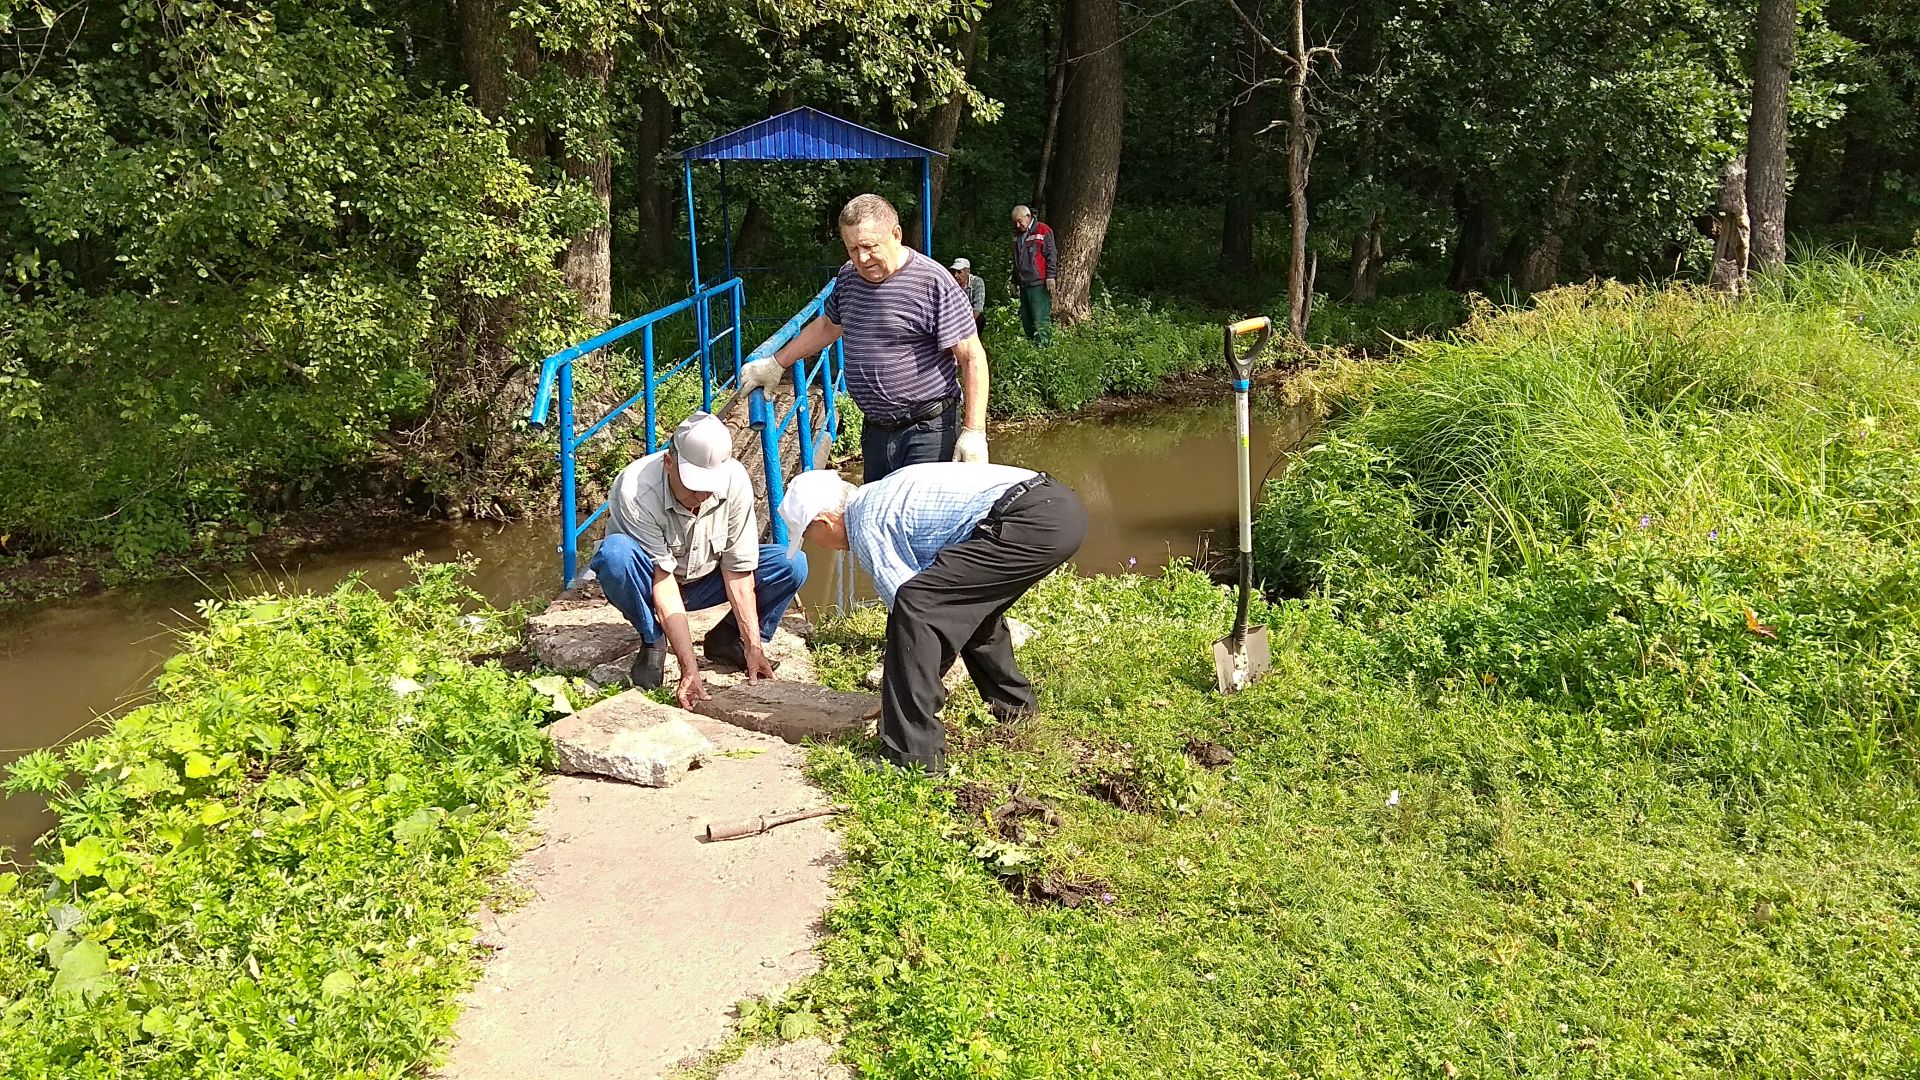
(641, 936)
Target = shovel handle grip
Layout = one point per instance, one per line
(1242, 362)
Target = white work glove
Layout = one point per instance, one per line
(972, 447)
(761, 375)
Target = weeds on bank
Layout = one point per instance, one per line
(268, 870)
(1587, 749)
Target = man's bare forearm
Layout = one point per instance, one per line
(813, 337)
(971, 356)
(746, 606)
(672, 611)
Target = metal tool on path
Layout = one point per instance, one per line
(1243, 656)
(740, 830)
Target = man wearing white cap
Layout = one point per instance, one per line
(951, 546)
(975, 289)
(682, 535)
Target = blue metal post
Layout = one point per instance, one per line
(802, 390)
(738, 292)
(693, 226)
(926, 207)
(762, 413)
(569, 558)
(647, 373)
(700, 324)
(830, 390)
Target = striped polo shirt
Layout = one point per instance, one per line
(899, 335)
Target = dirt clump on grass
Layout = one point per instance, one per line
(972, 799)
(1122, 790)
(1010, 818)
(1208, 753)
(1056, 887)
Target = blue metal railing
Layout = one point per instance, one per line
(826, 370)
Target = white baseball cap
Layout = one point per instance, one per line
(702, 446)
(809, 495)
(962, 264)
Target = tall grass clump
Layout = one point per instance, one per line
(1665, 512)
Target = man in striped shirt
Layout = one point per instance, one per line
(915, 365)
(951, 546)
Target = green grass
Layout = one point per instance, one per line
(1545, 896)
(270, 869)
(1587, 752)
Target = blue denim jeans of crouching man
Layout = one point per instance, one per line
(625, 571)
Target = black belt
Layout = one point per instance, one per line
(1012, 495)
(926, 410)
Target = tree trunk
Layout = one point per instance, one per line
(1092, 115)
(1767, 132)
(1479, 240)
(943, 127)
(653, 200)
(1299, 159)
(1056, 91)
(588, 263)
(756, 225)
(1246, 115)
(1730, 228)
(491, 49)
(1369, 255)
(1540, 266)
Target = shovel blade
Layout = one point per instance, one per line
(1237, 669)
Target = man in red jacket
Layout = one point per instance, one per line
(1035, 268)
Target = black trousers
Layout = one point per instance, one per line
(958, 606)
(886, 449)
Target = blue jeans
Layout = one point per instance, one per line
(887, 450)
(625, 571)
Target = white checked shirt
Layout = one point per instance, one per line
(898, 525)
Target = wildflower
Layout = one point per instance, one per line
(1106, 898)
(1713, 534)
(1131, 561)
(1393, 797)
(1645, 520)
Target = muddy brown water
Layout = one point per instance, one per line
(1157, 484)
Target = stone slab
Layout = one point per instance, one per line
(577, 637)
(791, 711)
(630, 737)
(788, 650)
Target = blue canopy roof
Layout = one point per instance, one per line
(805, 134)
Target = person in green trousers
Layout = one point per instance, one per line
(1035, 269)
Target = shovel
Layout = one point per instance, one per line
(1243, 656)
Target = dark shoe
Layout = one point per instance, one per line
(649, 667)
(936, 768)
(1010, 714)
(722, 645)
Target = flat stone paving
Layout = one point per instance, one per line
(641, 936)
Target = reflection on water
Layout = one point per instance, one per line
(1155, 483)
